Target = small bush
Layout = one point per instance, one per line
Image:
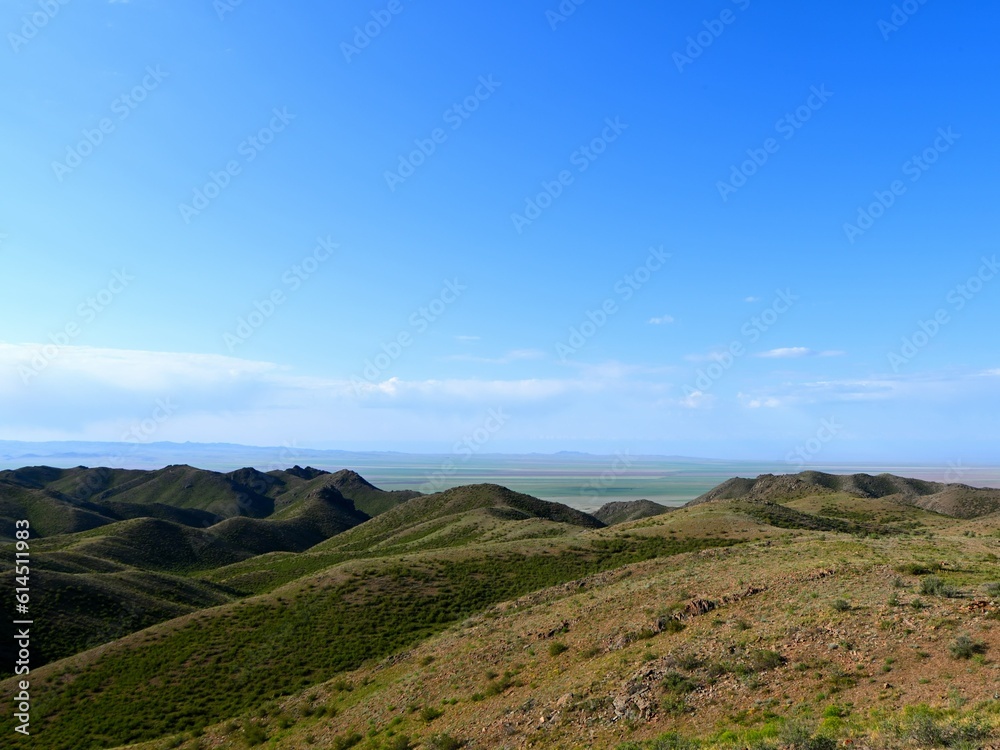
(687, 661)
(841, 605)
(671, 741)
(918, 569)
(679, 684)
(993, 589)
(429, 713)
(345, 741)
(673, 626)
(762, 660)
(442, 742)
(254, 735)
(964, 647)
(935, 586)
(556, 648)
(673, 704)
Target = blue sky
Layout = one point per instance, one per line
(706, 228)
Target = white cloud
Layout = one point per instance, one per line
(466, 338)
(766, 402)
(793, 352)
(515, 355)
(787, 353)
(663, 320)
(697, 400)
(751, 299)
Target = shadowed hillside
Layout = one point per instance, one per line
(621, 512)
(957, 500)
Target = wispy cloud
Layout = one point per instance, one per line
(794, 352)
(752, 402)
(697, 400)
(517, 355)
(786, 353)
(662, 320)
(467, 338)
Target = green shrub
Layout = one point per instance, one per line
(345, 741)
(935, 586)
(918, 569)
(687, 661)
(556, 648)
(254, 734)
(964, 647)
(429, 713)
(671, 741)
(841, 605)
(442, 742)
(761, 660)
(678, 684)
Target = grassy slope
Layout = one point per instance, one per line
(786, 662)
(301, 635)
(91, 587)
(621, 512)
(432, 592)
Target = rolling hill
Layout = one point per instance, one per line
(810, 611)
(620, 512)
(957, 500)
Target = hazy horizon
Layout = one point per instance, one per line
(583, 481)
